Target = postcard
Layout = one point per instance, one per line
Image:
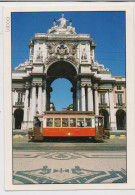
(69, 96)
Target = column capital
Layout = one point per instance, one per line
(39, 84)
(83, 85)
(89, 85)
(33, 84)
(110, 90)
(27, 87)
(95, 86)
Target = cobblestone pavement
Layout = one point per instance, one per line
(47, 163)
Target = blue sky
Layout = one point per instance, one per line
(106, 28)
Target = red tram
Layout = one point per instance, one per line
(68, 124)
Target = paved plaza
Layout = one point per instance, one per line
(69, 162)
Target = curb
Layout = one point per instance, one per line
(120, 136)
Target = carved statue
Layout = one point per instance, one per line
(67, 29)
(39, 55)
(84, 55)
(51, 48)
(63, 21)
(22, 66)
(70, 22)
(73, 48)
(54, 22)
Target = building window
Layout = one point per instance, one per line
(118, 87)
(102, 98)
(19, 98)
(119, 99)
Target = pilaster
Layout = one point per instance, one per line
(44, 98)
(25, 118)
(96, 99)
(78, 97)
(90, 97)
(40, 98)
(83, 97)
(112, 115)
(33, 101)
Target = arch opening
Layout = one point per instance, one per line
(61, 96)
(121, 119)
(18, 114)
(106, 118)
(61, 86)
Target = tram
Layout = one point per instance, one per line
(68, 124)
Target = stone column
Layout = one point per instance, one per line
(30, 106)
(33, 113)
(90, 97)
(78, 97)
(107, 98)
(26, 104)
(44, 99)
(13, 121)
(73, 101)
(112, 113)
(83, 97)
(16, 96)
(40, 98)
(74, 97)
(49, 89)
(25, 118)
(96, 99)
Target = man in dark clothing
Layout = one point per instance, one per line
(37, 123)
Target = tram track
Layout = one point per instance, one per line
(109, 145)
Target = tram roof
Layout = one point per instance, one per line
(67, 112)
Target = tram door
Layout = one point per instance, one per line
(38, 129)
(99, 121)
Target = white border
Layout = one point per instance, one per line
(128, 7)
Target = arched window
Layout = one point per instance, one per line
(106, 118)
(121, 119)
(18, 114)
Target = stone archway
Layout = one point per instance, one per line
(106, 118)
(18, 115)
(121, 119)
(61, 69)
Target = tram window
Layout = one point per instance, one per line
(64, 122)
(80, 122)
(49, 122)
(57, 122)
(88, 122)
(72, 122)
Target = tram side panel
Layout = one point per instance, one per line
(49, 128)
(75, 131)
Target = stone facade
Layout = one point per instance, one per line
(62, 53)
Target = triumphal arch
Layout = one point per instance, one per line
(62, 53)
